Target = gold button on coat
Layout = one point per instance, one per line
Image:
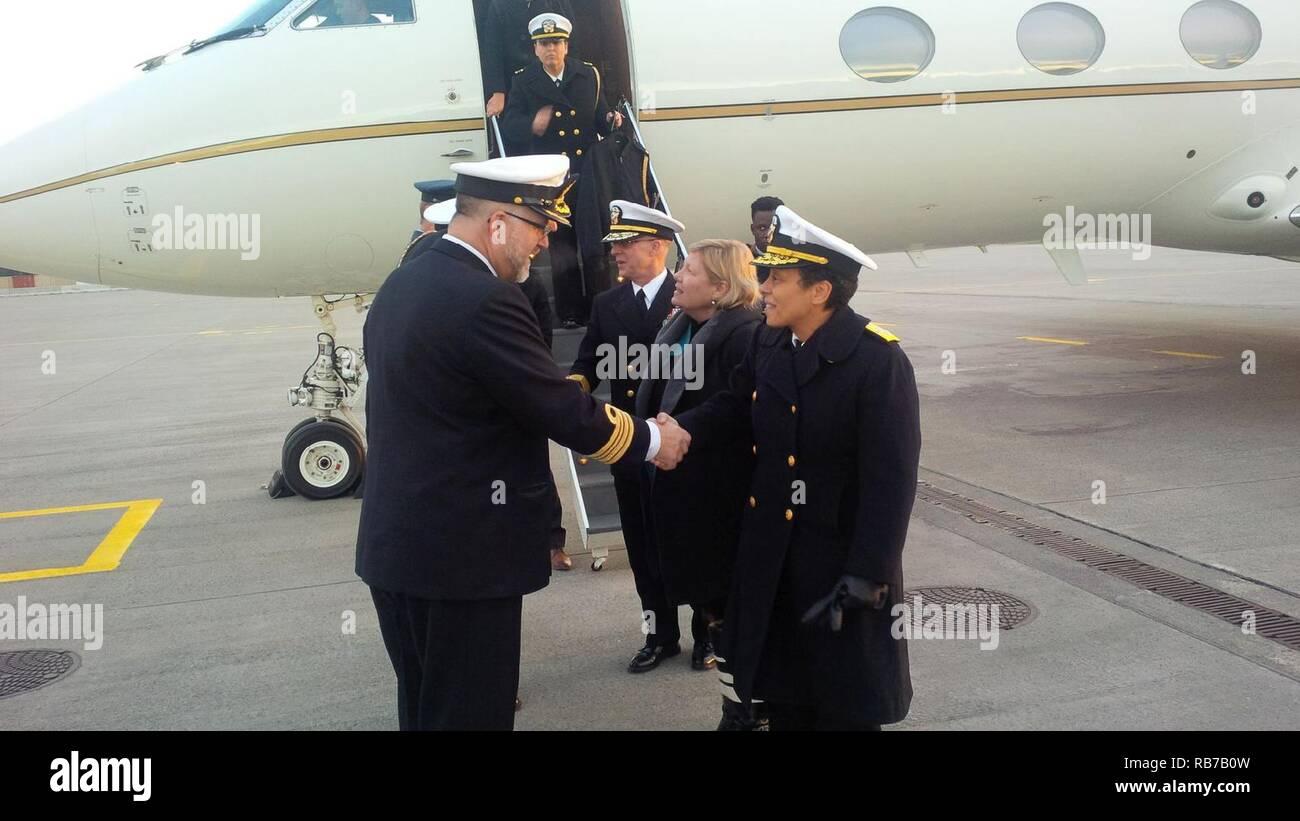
(753, 502)
(631, 394)
(794, 409)
(791, 461)
(789, 515)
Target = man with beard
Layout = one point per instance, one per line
(462, 397)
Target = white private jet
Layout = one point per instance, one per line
(288, 142)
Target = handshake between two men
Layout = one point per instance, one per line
(674, 442)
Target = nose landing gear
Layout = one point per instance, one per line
(324, 457)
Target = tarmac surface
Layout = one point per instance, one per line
(230, 614)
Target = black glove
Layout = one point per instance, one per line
(850, 593)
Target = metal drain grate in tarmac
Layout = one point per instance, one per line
(1012, 612)
(22, 671)
(1271, 624)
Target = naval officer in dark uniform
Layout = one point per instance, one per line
(556, 106)
(629, 315)
(462, 396)
(831, 403)
(438, 216)
(507, 43)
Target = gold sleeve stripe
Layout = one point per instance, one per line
(620, 440)
(582, 382)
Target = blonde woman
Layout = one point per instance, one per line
(694, 511)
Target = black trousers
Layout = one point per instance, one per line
(457, 662)
(800, 717)
(571, 300)
(558, 534)
(645, 564)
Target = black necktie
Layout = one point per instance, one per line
(798, 343)
(642, 305)
(557, 83)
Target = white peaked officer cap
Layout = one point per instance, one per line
(441, 213)
(539, 182)
(550, 27)
(628, 221)
(797, 243)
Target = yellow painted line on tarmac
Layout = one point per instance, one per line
(1075, 342)
(1187, 355)
(108, 555)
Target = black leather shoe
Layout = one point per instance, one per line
(648, 657)
(702, 657)
(737, 717)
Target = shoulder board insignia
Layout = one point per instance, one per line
(881, 332)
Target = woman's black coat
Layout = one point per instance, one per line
(696, 509)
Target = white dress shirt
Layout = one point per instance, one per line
(651, 288)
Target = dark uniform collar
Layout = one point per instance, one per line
(626, 307)
(832, 343)
(461, 254)
(541, 83)
(836, 339)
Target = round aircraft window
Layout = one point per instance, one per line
(887, 45)
(1060, 38)
(1220, 33)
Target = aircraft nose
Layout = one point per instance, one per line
(47, 221)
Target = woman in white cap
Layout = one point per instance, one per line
(830, 401)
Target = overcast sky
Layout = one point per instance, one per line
(54, 56)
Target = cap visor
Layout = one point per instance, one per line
(771, 260)
(562, 219)
(623, 236)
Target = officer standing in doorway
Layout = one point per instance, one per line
(462, 397)
(556, 107)
(508, 43)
